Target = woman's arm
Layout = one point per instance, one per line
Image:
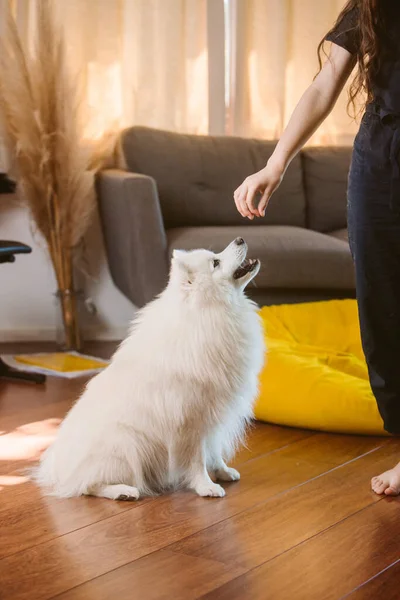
(312, 109)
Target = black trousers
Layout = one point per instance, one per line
(374, 235)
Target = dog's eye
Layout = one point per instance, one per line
(216, 263)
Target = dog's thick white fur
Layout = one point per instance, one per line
(172, 406)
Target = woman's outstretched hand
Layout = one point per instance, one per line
(265, 182)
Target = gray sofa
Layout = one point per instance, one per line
(176, 191)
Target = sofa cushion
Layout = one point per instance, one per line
(340, 234)
(316, 375)
(197, 175)
(291, 257)
(325, 179)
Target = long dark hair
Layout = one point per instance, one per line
(369, 29)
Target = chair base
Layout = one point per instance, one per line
(7, 372)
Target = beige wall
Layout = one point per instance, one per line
(27, 306)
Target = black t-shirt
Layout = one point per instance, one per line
(386, 87)
(377, 144)
(345, 34)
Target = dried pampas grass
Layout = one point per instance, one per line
(55, 169)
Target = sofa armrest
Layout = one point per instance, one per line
(134, 233)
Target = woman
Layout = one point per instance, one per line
(366, 35)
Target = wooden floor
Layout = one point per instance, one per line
(301, 524)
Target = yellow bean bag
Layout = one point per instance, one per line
(315, 375)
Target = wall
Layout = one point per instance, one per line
(27, 305)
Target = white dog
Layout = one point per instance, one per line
(172, 406)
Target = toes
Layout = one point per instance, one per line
(377, 484)
(388, 483)
(392, 491)
(213, 491)
(234, 475)
(126, 493)
(125, 498)
(227, 475)
(216, 492)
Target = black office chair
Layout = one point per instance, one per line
(8, 250)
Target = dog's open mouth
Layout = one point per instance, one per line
(247, 266)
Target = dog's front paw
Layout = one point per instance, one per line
(227, 474)
(210, 489)
(124, 493)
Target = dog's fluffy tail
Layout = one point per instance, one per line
(58, 478)
(44, 474)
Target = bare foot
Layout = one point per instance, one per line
(388, 483)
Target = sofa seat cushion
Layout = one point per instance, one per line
(340, 234)
(292, 257)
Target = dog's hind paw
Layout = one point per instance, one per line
(117, 492)
(124, 497)
(227, 474)
(210, 489)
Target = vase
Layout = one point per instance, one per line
(68, 332)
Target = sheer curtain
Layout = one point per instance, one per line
(145, 61)
(182, 65)
(142, 62)
(273, 60)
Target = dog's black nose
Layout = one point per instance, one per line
(239, 241)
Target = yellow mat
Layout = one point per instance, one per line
(315, 375)
(62, 362)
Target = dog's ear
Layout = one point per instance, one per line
(179, 259)
(179, 255)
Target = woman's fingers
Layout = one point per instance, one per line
(251, 191)
(253, 195)
(245, 199)
(237, 196)
(242, 201)
(246, 206)
(262, 205)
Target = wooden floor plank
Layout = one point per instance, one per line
(269, 529)
(27, 518)
(53, 567)
(302, 522)
(42, 519)
(178, 578)
(327, 566)
(49, 517)
(264, 438)
(386, 585)
(243, 542)
(257, 535)
(24, 403)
